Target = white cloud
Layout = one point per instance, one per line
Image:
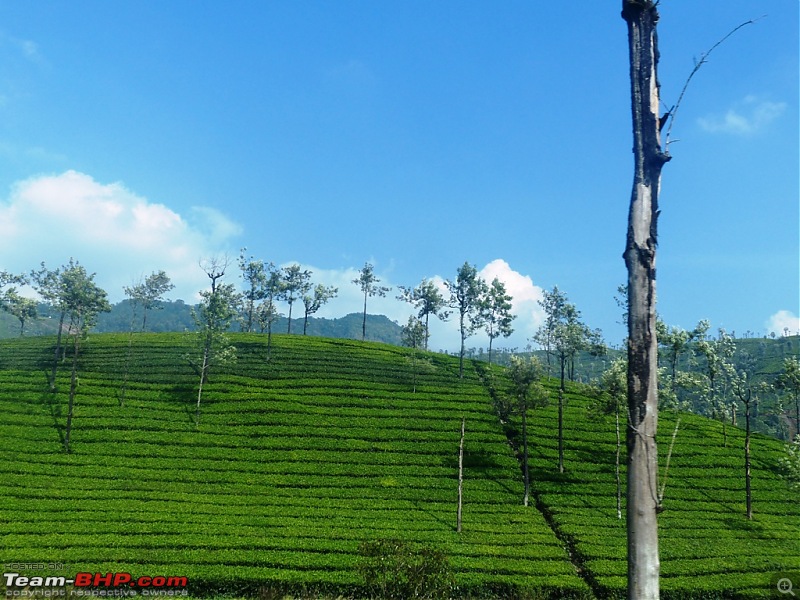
(749, 116)
(784, 319)
(525, 301)
(122, 236)
(444, 335)
(109, 229)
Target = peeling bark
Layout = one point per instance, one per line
(641, 17)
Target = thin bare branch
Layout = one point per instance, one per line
(697, 64)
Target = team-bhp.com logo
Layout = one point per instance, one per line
(93, 584)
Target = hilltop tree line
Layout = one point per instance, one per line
(697, 373)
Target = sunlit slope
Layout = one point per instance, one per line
(296, 461)
(708, 547)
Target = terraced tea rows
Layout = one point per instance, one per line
(296, 461)
(707, 545)
(299, 459)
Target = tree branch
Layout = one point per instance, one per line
(703, 59)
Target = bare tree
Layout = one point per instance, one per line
(641, 17)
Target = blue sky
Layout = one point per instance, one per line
(139, 136)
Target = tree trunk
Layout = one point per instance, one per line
(640, 257)
(525, 470)
(289, 328)
(460, 477)
(748, 491)
(364, 321)
(58, 349)
(461, 354)
(73, 387)
(203, 370)
(616, 465)
(305, 323)
(561, 417)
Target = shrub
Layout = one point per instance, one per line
(394, 569)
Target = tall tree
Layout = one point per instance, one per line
(12, 302)
(267, 311)
(611, 400)
(641, 17)
(790, 464)
(563, 335)
(149, 294)
(526, 375)
(466, 293)
(426, 298)
(83, 300)
(789, 380)
(496, 312)
(368, 282)
(746, 392)
(213, 318)
(295, 285)
(254, 274)
(50, 285)
(414, 335)
(719, 373)
(676, 341)
(313, 302)
(20, 307)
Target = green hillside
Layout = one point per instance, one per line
(300, 459)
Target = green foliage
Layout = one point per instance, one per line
(466, 294)
(427, 298)
(20, 307)
(413, 334)
(368, 282)
(149, 294)
(312, 303)
(296, 462)
(526, 388)
(301, 459)
(295, 283)
(790, 464)
(495, 309)
(395, 570)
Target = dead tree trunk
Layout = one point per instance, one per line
(641, 17)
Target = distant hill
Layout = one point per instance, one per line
(175, 316)
(301, 458)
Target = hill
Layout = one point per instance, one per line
(176, 316)
(300, 459)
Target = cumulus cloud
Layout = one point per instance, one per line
(444, 335)
(749, 116)
(784, 320)
(110, 230)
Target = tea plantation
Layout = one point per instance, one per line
(301, 458)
